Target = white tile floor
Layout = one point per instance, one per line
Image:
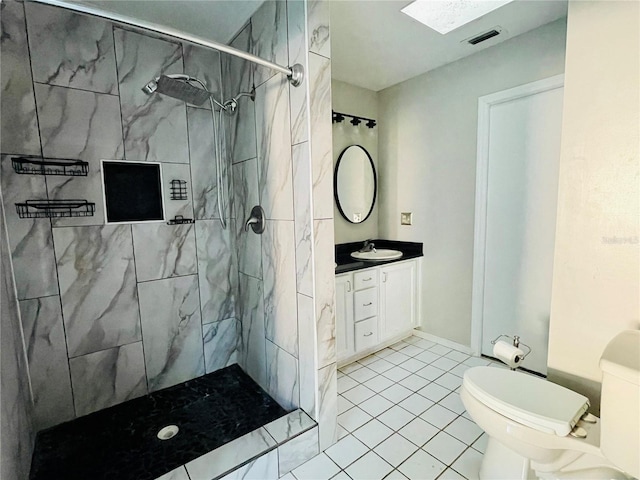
(400, 417)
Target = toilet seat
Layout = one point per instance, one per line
(526, 399)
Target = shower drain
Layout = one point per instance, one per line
(168, 432)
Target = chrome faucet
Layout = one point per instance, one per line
(368, 246)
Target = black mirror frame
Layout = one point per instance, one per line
(335, 184)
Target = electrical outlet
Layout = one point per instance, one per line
(405, 218)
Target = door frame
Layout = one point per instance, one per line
(482, 177)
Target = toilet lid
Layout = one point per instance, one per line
(526, 399)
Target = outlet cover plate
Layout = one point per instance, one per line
(406, 218)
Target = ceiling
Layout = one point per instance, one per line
(217, 20)
(374, 45)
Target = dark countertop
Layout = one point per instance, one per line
(348, 264)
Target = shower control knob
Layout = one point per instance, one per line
(256, 220)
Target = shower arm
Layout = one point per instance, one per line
(294, 73)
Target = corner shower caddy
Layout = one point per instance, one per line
(32, 165)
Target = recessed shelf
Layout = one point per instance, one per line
(32, 165)
(55, 208)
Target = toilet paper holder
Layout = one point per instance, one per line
(516, 343)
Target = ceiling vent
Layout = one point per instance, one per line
(485, 36)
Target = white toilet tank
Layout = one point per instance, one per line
(620, 402)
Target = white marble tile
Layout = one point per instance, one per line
(48, 365)
(296, 31)
(107, 377)
(221, 344)
(229, 455)
(353, 419)
(204, 64)
(171, 329)
(307, 354)
(249, 245)
(318, 20)
(71, 50)
(269, 37)
(274, 148)
(263, 467)
(216, 270)
(427, 357)
(237, 74)
(302, 216)
(78, 124)
(325, 291)
(154, 126)
(164, 251)
(328, 405)
(438, 416)
(18, 119)
(358, 394)
(434, 392)
(464, 430)
(84, 187)
(173, 208)
(31, 240)
(416, 404)
(279, 273)
(298, 450)
(289, 426)
(203, 164)
(321, 146)
(375, 405)
(17, 433)
(282, 377)
(98, 287)
(251, 314)
(179, 473)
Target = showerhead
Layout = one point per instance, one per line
(177, 86)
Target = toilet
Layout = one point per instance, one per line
(538, 429)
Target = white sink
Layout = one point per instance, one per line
(377, 255)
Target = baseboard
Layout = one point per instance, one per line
(443, 341)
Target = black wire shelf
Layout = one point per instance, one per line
(32, 165)
(180, 220)
(55, 208)
(178, 190)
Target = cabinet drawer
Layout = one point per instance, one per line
(365, 303)
(366, 279)
(366, 333)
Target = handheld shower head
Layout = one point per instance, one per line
(177, 86)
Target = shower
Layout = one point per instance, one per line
(181, 87)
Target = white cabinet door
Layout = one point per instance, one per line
(398, 298)
(344, 316)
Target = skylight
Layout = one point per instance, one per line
(444, 16)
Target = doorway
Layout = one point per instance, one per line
(516, 201)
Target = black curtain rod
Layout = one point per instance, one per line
(337, 117)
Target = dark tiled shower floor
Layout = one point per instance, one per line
(121, 443)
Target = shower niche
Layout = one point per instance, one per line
(132, 191)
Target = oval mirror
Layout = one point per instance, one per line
(355, 183)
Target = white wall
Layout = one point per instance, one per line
(596, 281)
(359, 101)
(428, 130)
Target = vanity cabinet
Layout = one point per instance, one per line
(375, 306)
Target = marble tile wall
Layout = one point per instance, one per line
(17, 434)
(283, 160)
(133, 308)
(112, 312)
